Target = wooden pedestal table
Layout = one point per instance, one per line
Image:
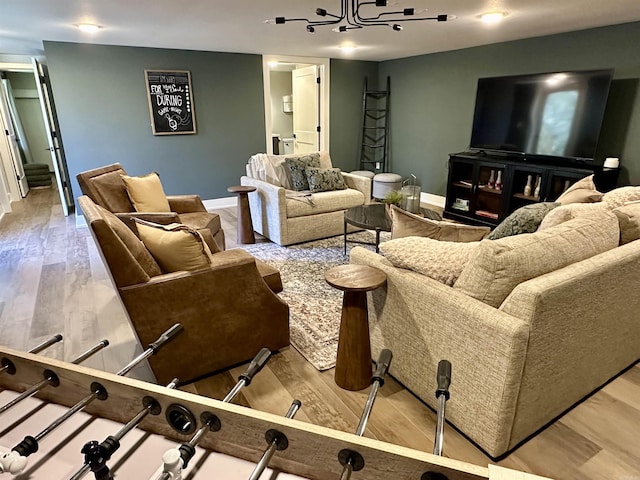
(353, 364)
(245, 227)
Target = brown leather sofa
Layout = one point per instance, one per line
(229, 310)
(106, 188)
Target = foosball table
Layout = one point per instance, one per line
(229, 448)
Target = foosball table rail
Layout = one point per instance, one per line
(312, 451)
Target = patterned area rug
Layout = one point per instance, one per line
(315, 306)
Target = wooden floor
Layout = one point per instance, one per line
(52, 280)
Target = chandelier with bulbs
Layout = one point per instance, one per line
(351, 17)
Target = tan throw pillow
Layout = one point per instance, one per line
(175, 247)
(629, 221)
(442, 261)
(621, 196)
(583, 191)
(568, 212)
(500, 265)
(146, 193)
(406, 224)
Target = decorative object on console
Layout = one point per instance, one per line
(352, 16)
(492, 179)
(499, 180)
(536, 192)
(527, 187)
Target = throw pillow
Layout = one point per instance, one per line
(175, 247)
(297, 166)
(629, 221)
(573, 210)
(442, 261)
(146, 193)
(583, 191)
(500, 265)
(321, 180)
(621, 196)
(407, 224)
(524, 220)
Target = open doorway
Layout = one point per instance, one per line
(296, 97)
(33, 154)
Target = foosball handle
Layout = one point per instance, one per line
(255, 366)
(444, 379)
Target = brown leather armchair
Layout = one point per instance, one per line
(229, 310)
(106, 188)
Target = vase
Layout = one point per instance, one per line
(492, 179)
(499, 180)
(527, 188)
(536, 192)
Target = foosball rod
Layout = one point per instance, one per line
(347, 457)
(98, 454)
(443, 378)
(50, 378)
(37, 349)
(442, 395)
(278, 442)
(29, 444)
(177, 459)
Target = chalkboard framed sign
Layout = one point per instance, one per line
(170, 101)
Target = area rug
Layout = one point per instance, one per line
(315, 306)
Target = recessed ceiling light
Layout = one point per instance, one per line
(273, 63)
(492, 17)
(88, 27)
(347, 47)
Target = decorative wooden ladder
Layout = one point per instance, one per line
(374, 150)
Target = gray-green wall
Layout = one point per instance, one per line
(102, 106)
(347, 82)
(433, 96)
(103, 111)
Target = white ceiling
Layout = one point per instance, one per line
(238, 25)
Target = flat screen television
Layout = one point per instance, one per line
(554, 115)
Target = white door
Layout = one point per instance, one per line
(55, 145)
(10, 154)
(12, 144)
(306, 109)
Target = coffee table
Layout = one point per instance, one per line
(371, 217)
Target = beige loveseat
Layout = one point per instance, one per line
(286, 216)
(522, 352)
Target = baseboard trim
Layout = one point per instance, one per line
(431, 199)
(216, 203)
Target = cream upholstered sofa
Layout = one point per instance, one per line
(533, 323)
(286, 216)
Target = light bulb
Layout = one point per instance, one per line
(88, 27)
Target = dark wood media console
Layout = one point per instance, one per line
(474, 198)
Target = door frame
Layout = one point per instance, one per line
(323, 72)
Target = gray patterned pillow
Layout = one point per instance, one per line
(325, 180)
(524, 220)
(296, 167)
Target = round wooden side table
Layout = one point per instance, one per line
(245, 227)
(353, 364)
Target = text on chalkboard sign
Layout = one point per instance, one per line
(170, 101)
